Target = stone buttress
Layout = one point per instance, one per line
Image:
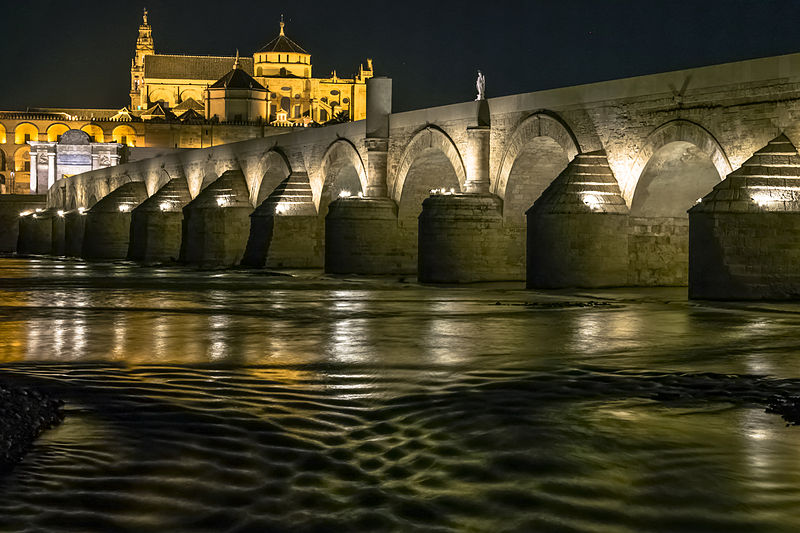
(12, 206)
(216, 224)
(284, 229)
(744, 236)
(108, 223)
(577, 229)
(36, 233)
(156, 225)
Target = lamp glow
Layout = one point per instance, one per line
(60, 213)
(592, 201)
(344, 194)
(164, 206)
(761, 199)
(124, 208)
(222, 201)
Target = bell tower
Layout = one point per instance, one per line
(144, 47)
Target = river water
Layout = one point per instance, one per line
(246, 401)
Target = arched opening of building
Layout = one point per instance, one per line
(125, 135)
(2, 134)
(95, 133)
(55, 131)
(22, 160)
(539, 162)
(25, 132)
(430, 170)
(675, 177)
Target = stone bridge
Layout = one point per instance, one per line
(605, 172)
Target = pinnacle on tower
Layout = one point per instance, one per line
(282, 24)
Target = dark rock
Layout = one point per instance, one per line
(24, 415)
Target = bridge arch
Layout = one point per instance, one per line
(678, 130)
(425, 142)
(541, 124)
(341, 169)
(276, 168)
(679, 163)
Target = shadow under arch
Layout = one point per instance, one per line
(678, 130)
(276, 168)
(341, 169)
(679, 163)
(430, 136)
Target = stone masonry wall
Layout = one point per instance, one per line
(739, 256)
(658, 251)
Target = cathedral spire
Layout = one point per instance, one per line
(236, 61)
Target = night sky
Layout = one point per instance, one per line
(78, 54)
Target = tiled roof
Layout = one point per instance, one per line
(187, 105)
(282, 43)
(237, 79)
(192, 67)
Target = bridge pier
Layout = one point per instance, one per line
(362, 234)
(461, 239)
(58, 234)
(362, 237)
(156, 224)
(11, 206)
(74, 226)
(108, 223)
(578, 229)
(744, 236)
(36, 233)
(284, 229)
(216, 224)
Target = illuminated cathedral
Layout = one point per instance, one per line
(275, 85)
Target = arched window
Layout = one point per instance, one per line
(95, 133)
(2, 134)
(22, 159)
(55, 131)
(25, 132)
(124, 135)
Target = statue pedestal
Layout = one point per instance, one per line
(362, 237)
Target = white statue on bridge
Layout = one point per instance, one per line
(481, 85)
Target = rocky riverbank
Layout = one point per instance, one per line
(24, 415)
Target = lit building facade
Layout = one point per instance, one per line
(282, 67)
(182, 101)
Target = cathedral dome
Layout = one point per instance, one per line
(282, 58)
(282, 44)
